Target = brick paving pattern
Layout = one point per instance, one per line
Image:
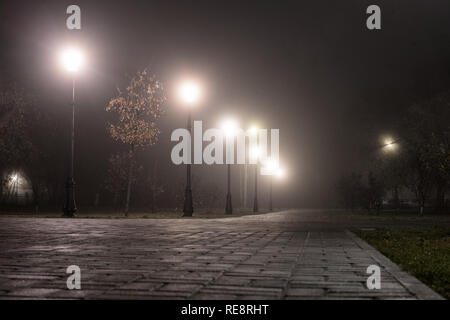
(272, 256)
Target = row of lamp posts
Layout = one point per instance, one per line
(72, 60)
(189, 94)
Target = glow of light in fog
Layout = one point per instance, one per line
(189, 92)
(72, 59)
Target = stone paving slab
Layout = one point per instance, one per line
(272, 256)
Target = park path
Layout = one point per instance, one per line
(285, 255)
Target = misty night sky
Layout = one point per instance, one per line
(310, 68)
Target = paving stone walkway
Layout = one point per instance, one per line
(274, 256)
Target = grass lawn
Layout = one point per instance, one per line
(424, 252)
(390, 217)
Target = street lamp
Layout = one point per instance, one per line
(189, 94)
(389, 144)
(271, 168)
(72, 60)
(253, 131)
(254, 154)
(279, 173)
(229, 128)
(14, 178)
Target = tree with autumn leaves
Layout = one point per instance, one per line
(137, 110)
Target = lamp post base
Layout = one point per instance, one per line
(228, 207)
(255, 205)
(188, 208)
(70, 207)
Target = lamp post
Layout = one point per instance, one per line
(72, 60)
(255, 198)
(271, 168)
(270, 193)
(279, 173)
(390, 146)
(229, 128)
(228, 206)
(188, 208)
(189, 93)
(254, 153)
(245, 194)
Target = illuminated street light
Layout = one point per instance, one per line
(389, 144)
(14, 178)
(72, 59)
(229, 128)
(280, 173)
(271, 169)
(253, 130)
(14, 184)
(254, 154)
(189, 94)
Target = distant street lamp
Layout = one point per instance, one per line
(254, 153)
(279, 173)
(189, 93)
(252, 131)
(229, 128)
(14, 178)
(389, 144)
(72, 60)
(270, 168)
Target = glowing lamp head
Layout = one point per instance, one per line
(72, 60)
(14, 178)
(389, 144)
(280, 173)
(270, 166)
(253, 131)
(229, 128)
(254, 153)
(189, 92)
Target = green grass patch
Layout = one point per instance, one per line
(424, 253)
(389, 217)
